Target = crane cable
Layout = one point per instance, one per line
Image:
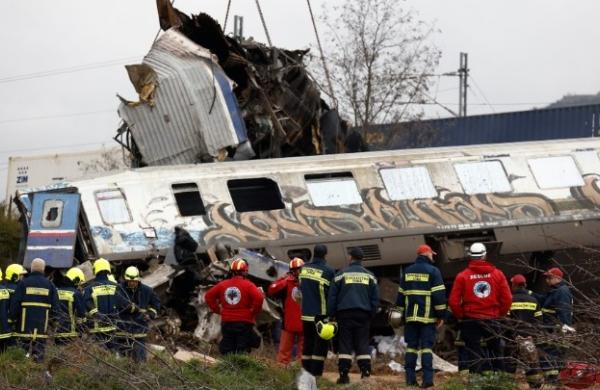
(327, 75)
(226, 16)
(262, 19)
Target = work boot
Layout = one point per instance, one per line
(426, 385)
(344, 379)
(365, 374)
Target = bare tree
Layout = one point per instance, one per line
(380, 58)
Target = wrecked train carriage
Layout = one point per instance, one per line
(521, 199)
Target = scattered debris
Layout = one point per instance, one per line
(394, 346)
(305, 381)
(187, 356)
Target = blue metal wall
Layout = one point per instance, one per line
(545, 124)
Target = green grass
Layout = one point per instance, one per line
(496, 381)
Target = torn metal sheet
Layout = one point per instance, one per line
(192, 113)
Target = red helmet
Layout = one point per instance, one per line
(296, 263)
(239, 265)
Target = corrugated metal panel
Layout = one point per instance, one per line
(195, 111)
(534, 125)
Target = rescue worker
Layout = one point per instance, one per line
(287, 289)
(238, 301)
(71, 310)
(5, 327)
(557, 315)
(144, 304)
(480, 297)
(422, 299)
(14, 274)
(353, 300)
(103, 300)
(315, 280)
(35, 301)
(525, 318)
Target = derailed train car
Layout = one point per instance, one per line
(524, 199)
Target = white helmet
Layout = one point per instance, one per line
(477, 251)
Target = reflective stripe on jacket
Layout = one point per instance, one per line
(422, 294)
(34, 302)
(353, 288)
(315, 280)
(71, 311)
(104, 300)
(5, 327)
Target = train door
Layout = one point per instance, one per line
(53, 229)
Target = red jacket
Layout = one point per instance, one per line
(236, 300)
(292, 312)
(480, 291)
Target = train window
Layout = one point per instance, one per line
(113, 207)
(258, 194)
(303, 253)
(52, 213)
(334, 189)
(408, 183)
(555, 172)
(188, 199)
(483, 177)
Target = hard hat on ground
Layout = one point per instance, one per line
(326, 330)
(296, 263)
(395, 317)
(477, 251)
(132, 273)
(101, 265)
(13, 271)
(76, 276)
(239, 265)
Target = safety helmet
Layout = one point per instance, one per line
(0, 273)
(296, 263)
(239, 265)
(13, 271)
(112, 278)
(477, 250)
(101, 265)
(75, 275)
(326, 330)
(395, 317)
(132, 273)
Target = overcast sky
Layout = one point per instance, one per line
(522, 54)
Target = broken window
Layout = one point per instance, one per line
(483, 177)
(333, 189)
(408, 183)
(188, 199)
(257, 194)
(52, 213)
(555, 172)
(113, 207)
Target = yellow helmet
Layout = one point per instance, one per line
(111, 277)
(13, 271)
(76, 276)
(101, 265)
(132, 273)
(326, 330)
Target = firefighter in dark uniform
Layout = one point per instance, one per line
(144, 304)
(315, 280)
(104, 300)
(422, 298)
(522, 327)
(34, 303)
(71, 311)
(5, 327)
(353, 300)
(13, 275)
(557, 315)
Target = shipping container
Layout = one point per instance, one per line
(534, 125)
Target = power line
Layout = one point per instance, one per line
(481, 93)
(70, 69)
(45, 117)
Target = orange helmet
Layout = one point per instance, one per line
(296, 263)
(239, 265)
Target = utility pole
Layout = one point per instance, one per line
(463, 74)
(238, 28)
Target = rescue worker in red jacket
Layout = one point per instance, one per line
(238, 301)
(287, 288)
(480, 297)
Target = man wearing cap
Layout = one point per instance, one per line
(522, 327)
(557, 316)
(353, 299)
(480, 297)
(34, 302)
(315, 279)
(422, 299)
